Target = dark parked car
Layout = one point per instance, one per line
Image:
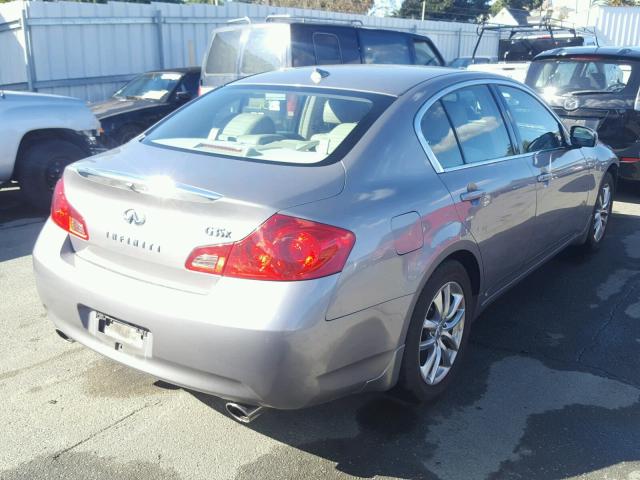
(597, 88)
(143, 101)
(237, 51)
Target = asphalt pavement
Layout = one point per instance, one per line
(550, 390)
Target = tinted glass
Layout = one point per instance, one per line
(224, 52)
(150, 86)
(537, 127)
(478, 124)
(384, 47)
(290, 125)
(552, 77)
(190, 83)
(439, 135)
(424, 53)
(327, 49)
(264, 50)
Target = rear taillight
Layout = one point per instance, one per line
(629, 160)
(199, 90)
(65, 216)
(283, 248)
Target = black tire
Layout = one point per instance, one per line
(411, 384)
(592, 242)
(40, 166)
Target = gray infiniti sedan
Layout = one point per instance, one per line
(306, 234)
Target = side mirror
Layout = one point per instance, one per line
(183, 97)
(583, 137)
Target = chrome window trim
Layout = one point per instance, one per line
(468, 83)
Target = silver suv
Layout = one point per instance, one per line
(236, 51)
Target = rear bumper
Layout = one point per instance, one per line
(263, 343)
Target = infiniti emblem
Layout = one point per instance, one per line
(571, 103)
(133, 217)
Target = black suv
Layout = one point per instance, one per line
(237, 51)
(596, 87)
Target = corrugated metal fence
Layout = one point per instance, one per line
(88, 50)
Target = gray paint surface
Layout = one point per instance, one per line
(292, 356)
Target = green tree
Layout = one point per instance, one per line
(519, 4)
(346, 6)
(452, 10)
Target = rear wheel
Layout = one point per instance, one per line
(438, 333)
(601, 214)
(40, 167)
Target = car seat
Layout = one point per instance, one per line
(345, 115)
(247, 124)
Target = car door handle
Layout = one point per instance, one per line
(545, 177)
(472, 195)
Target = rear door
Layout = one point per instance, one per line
(323, 45)
(562, 173)
(471, 146)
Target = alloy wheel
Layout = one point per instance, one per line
(442, 332)
(601, 214)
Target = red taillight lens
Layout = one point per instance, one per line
(283, 248)
(199, 90)
(629, 160)
(65, 216)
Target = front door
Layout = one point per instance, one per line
(493, 189)
(562, 173)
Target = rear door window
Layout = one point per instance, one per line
(327, 48)
(223, 55)
(264, 50)
(538, 129)
(424, 53)
(438, 133)
(478, 124)
(379, 46)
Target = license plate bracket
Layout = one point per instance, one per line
(122, 333)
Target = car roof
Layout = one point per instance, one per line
(382, 79)
(608, 52)
(177, 70)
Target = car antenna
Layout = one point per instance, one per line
(318, 74)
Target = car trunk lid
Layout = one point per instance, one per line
(146, 208)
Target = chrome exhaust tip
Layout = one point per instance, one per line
(63, 336)
(243, 413)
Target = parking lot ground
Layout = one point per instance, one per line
(550, 390)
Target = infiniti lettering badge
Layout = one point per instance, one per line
(134, 218)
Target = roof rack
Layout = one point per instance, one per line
(288, 18)
(240, 20)
(547, 25)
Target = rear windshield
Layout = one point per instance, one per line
(279, 124)
(265, 49)
(579, 76)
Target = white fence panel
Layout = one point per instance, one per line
(618, 26)
(87, 50)
(12, 48)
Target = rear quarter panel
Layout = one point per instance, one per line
(387, 175)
